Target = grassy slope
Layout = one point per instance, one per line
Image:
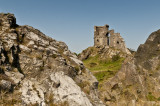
(103, 69)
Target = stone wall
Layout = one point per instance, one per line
(101, 35)
(117, 42)
(102, 38)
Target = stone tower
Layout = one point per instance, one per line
(105, 37)
(101, 35)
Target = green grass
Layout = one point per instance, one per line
(96, 64)
(103, 69)
(104, 75)
(150, 97)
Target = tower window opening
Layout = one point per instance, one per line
(117, 42)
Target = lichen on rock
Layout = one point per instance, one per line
(37, 69)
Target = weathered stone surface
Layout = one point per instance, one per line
(101, 35)
(15, 76)
(102, 38)
(137, 83)
(5, 85)
(38, 70)
(70, 92)
(148, 54)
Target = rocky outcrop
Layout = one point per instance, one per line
(138, 82)
(148, 54)
(103, 51)
(38, 70)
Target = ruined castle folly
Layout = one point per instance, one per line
(105, 37)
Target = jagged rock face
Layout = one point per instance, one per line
(7, 21)
(36, 69)
(148, 54)
(138, 81)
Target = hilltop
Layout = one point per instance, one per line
(125, 77)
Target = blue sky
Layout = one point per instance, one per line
(72, 21)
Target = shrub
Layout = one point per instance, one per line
(76, 68)
(39, 57)
(54, 55)
(17, 29)
(75, 54)
(84, 86)
(115, 57)
(92, 64)
(41, 68)
(150, 97)
(104, 75)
